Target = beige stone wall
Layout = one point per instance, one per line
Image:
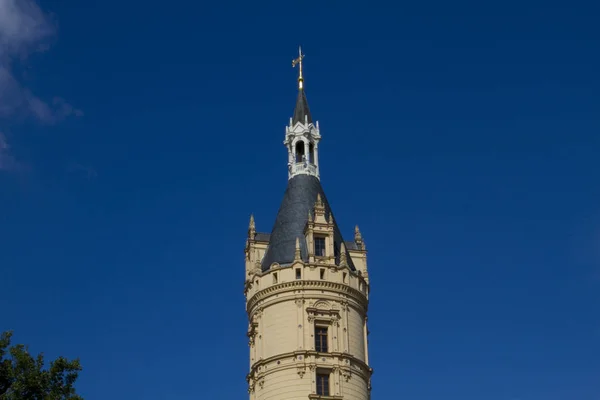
(279, 331)
(285, 312)
(356, 322)
(284, 384)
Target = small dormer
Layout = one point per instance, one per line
(320, 237)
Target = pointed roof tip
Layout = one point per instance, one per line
(302, 111)
(251, 225)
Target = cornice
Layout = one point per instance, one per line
(291, 286)
(312, 360)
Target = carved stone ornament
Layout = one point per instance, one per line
(322, 305)
(346, 374)
(301, 371)
(312, 367)
(261, 383)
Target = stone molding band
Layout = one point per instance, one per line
(310, 359)
(284, 287)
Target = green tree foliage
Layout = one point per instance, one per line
(23, 377)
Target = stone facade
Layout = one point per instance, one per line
(286, 304)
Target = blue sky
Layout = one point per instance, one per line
(137, 137)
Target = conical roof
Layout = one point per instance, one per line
(299, 199)
(301, 109)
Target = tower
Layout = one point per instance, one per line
(306, 289)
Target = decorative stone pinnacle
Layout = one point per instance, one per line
(251, 227)
(330, 218)
(297, 256)
(310, 218)
(343, 258)
(357, 236)
(319, 202)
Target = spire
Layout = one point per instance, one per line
(301, 112)
(304, 202)
(302, 136)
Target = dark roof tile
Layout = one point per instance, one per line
(301, 109)
(298, 200)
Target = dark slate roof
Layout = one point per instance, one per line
(262, 237)
(301, 109)
(351, 245)
(298, 200)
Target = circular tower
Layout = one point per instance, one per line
(306, 288)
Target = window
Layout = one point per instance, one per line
(322, 273)
(298, 273)
(322, 384)
(319, 246)
(311, 153)
(344, 275)
(300, 151)
(275, 277)
(321, 339)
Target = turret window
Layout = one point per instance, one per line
(300, 156)
(321, 339)
(322, 383)
(311, 153)
(319, 246)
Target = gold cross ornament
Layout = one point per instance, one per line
(298, 61)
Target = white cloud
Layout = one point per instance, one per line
(25, 29)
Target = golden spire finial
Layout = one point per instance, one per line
(298, 61)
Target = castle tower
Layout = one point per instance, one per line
(306, 288)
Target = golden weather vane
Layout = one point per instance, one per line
(298, 61)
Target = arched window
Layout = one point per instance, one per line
(299, 151)
(311, 153)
